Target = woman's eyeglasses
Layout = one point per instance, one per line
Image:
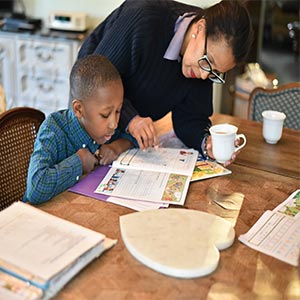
(205, 65)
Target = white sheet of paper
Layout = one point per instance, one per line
(180, 161)
(136, 205)
(275, 234)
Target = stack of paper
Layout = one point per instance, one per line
(40, 253)
(160, 175)
(150, 179)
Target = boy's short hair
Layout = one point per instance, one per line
(89, 73)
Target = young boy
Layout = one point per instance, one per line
(73, 142)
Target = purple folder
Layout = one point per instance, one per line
(88, 184)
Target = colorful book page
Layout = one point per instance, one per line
(207, 169)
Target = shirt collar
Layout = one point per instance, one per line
(80, 133)
(181, 25)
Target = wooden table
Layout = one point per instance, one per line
(243, 273)
(281, 158)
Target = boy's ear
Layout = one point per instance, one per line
(77, 108)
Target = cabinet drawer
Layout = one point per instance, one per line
(43, 54)
(43, 93)
(34, 69)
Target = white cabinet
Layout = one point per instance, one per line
(40, 72)
(7, 69)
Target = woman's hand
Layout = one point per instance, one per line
(143, 130)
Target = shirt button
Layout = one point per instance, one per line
(94, 142)
(77, 178)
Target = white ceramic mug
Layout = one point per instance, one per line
(223, 141)
(272, 125)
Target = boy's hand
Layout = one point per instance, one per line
(107, 153)
(88, 160)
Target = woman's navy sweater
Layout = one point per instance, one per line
(135, 37)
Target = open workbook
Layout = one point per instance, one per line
(156, 174)
(40, 253)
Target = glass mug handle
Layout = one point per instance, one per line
(238, 136)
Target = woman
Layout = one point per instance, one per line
(169, 54)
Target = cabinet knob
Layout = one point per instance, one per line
(43, 54)
(44, 86)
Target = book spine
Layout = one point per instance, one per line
(41, 286)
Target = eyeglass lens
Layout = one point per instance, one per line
(205, 64)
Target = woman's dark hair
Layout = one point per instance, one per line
(231, 20)
(89, 73)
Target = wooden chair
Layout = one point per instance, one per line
(285, 98)
(18, 130)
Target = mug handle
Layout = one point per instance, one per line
(238, 136)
